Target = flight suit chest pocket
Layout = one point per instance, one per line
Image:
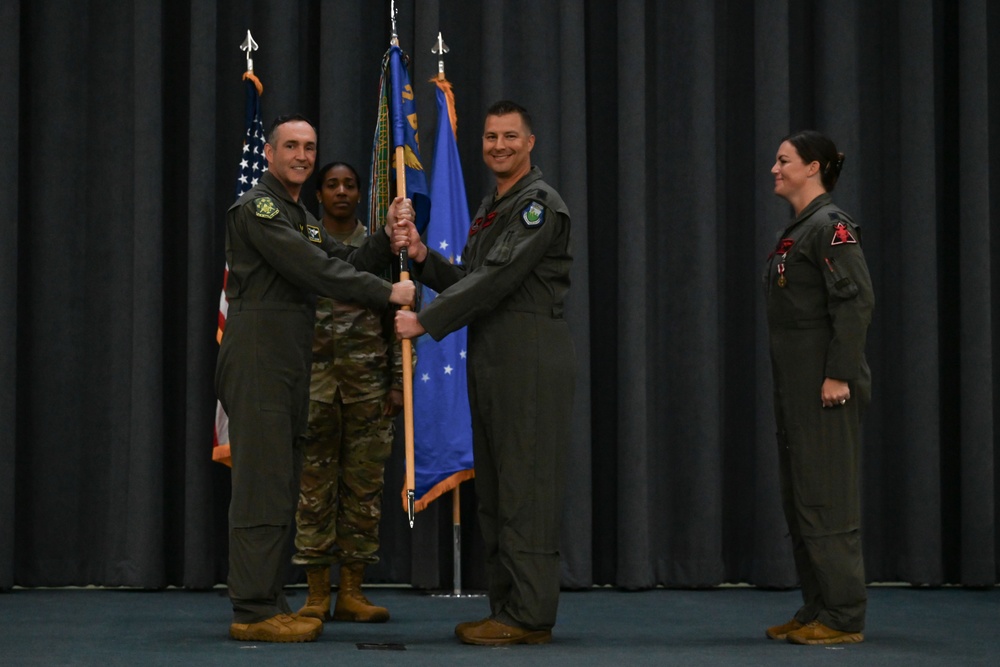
(502, 250)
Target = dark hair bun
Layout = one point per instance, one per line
(837, 164)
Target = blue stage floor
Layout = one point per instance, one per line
(725, 626)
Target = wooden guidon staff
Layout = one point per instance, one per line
(407, 344)
(407, 349)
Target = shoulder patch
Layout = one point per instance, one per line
(266, 207)
(842, 235)
(533, 215)
(312, 233)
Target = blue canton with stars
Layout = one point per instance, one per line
(252, 163)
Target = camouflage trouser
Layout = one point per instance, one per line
(340, 496)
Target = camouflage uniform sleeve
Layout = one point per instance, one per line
(836, 249)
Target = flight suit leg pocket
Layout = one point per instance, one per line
(275, 381)
(273, 395)
(809, 465)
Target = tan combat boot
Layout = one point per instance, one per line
(352, 605)
(280, 628)
(318, 603)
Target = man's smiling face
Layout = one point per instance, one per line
(507, 145)
(292, 156)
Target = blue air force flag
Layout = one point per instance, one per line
(442, 421)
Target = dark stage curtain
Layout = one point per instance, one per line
(658, 123)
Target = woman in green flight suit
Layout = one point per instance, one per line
(819, 306)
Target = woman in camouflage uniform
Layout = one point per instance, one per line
(356, 390)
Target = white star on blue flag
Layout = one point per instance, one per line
(253, 145)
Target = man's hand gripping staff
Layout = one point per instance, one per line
(402, 233)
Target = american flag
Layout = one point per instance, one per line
(252, 166)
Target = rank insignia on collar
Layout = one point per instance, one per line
(842, 235)
(312, 233)
(266, 208)
(533, 215)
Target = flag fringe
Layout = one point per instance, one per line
(439, 489)
(222, 454)
(449, 95)
(379, 194)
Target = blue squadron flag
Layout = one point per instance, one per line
(442, 420)
(396, 126)
(252, 166)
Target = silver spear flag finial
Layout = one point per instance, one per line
(394, 40)
(440, 48)
(249, 46)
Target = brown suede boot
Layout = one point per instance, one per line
(817, 633)
(280, 628)
(495, 633)
(318, 603)
(352, 605)
(781, 631)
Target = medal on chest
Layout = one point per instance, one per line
(784, 245)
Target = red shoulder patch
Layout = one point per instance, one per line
(842, 235)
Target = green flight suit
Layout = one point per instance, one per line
(510, 291)
(819, 306)
(278, 255)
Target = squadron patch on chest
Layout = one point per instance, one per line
(533, 215)
(312, 233)
(265, 208)
(842, 235)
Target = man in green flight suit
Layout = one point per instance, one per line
(278, 256)
(510, 291)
